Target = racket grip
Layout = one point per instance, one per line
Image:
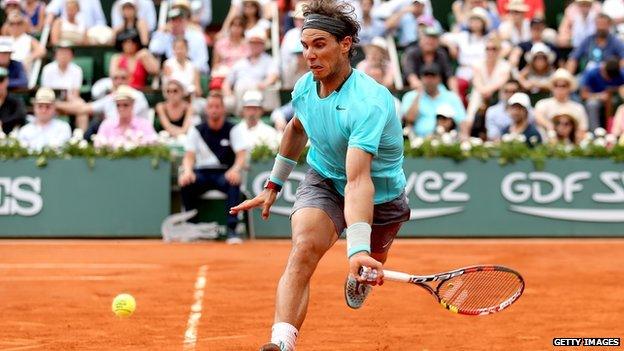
(396, 276)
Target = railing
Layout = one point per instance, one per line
(36, 68)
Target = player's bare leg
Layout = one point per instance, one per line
(313, 234)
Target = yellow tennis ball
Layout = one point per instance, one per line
(123, 305)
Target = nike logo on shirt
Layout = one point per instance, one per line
(340, 108)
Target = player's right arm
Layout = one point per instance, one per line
(293, 143)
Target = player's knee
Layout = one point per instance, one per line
(304, 256)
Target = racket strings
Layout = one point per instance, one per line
(481, 290)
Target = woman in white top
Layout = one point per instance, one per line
(252, 11)
(181, 67)
(71, 28)
(489, 76)
(26, 49)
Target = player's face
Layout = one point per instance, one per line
(323, 53)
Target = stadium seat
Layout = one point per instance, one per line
(86, 64)
(108, 56)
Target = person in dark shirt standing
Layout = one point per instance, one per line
(215, 159)
(12, 110)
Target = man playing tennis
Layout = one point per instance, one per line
(356, 180)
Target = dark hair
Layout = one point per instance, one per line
(216, 94)
(181, 39)
(341, 11)
(612, 68)
(241, 19)
(258, 10)
(605, 16)
(128, 34)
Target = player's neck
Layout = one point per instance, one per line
(334, 81)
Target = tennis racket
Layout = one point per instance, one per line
(475, 290)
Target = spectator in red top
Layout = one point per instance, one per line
(134, 57)
(536, 8)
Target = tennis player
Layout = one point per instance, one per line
(356, 180)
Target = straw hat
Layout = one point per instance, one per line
(44, 96)
(564, 74)
(252, 98)
(540, 48)
(124, 92)
(517, 5)
(566, 112)
(482, 14)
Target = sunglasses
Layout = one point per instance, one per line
(172, 91)
(120, 77)
(123, 104)
(44, 106)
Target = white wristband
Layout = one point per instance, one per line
(281, 169)
(358, 238)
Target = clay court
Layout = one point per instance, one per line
(56, 295)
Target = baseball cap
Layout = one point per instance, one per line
(432, 31)
(521, 99)
(256, 34)
(537, 21)
(123, 3)
(44, 96)
(175, 13)
(252, 98)
(430, 68)
(445, 110)
(6, 44)
(4, 72)
(124, 92)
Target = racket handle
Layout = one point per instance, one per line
(396, 276)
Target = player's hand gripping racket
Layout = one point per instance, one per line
(475, 290)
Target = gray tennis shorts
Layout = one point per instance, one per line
(318, 192)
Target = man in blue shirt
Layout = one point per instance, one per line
(17, 74)
(419, 107)
(407, 20)
(598, 47)
(355, 182)
(598, 85)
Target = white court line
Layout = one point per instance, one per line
(55, 278)
(22, 348)
(78, 266)
(190, 335)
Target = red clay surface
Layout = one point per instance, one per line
(51, 302)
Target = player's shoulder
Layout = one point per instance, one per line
(367, 88)
(303, 84)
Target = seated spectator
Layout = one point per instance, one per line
(236, 9)
(488, 77)
(251, 10)
(45, 130)
(175, 113)
(12, 110)
(535, 8)
(579, 22)
(105, 108)
(66, 77)
(116, 130)
(34, 10)
(229, 49)
(131, 20)
(419, 107)
(565, 128)
(70, 27)
(292, 40)
(463, 10)
(538, 35)
(162, 40)
(445, 118)
(201, 12)
(617, 128)
(257, 71)
(17, 74)
(427, 51)
(535, 77)
(370, 27)
(26, 49)
(134, 58)
(144, 9)
(257, 132)
(597, 48)
(406, 21)
(518, 107)
(496, 116)
(468, 47)
(516, 28)
(215, 158)
(376, 63)
(562, 84)
(615, 9)
(282, 115)
(182, 68)
(296, 68)
(598, 86)
(9, 7)
(91, 13)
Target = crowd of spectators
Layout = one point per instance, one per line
(496, 68)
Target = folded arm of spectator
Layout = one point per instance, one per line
(151, 64)
(412, 113)
(393, 21)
